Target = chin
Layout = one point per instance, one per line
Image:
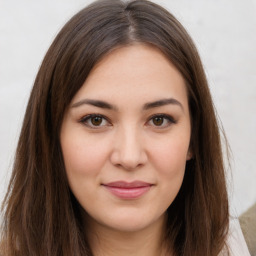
(130, 222)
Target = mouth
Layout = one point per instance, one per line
(128, 190)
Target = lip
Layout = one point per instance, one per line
(128, 190)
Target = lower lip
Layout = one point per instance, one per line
(128, 193)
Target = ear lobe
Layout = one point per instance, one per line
(189, 155)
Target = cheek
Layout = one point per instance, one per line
(171, 154)
(84, 159)
(170, 164)
(170, 161)
(83, 156)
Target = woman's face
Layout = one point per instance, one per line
(125, 139)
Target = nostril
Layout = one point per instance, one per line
(129, 160)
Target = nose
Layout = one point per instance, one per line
(128, 149)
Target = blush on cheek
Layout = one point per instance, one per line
(171, 161)
(172, 150)
(82, 159)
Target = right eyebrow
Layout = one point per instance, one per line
(163, 102)
(96, 103)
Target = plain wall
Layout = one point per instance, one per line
(224, 32)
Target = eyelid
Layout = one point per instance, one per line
(85, 118)
(171, 120)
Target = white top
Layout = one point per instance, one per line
(236, 241)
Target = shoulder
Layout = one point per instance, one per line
(248, 226)
(235, 241)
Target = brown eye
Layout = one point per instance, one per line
(158, 121)
(161, 121)
(96, 121)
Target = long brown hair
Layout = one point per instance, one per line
(41, 216)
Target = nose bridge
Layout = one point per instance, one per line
(129, 150)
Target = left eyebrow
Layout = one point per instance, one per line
(163, 102)
(146, 106)
(96, 103)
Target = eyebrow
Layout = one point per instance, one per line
(163, 102)
(96, 103)
(106, 105)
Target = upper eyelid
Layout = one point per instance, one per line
(87, 117)
(163, 115)
(167, 116)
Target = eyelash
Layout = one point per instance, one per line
(88, 118)
(170, 120)
(87, 121)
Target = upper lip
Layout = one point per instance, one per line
(125, 184)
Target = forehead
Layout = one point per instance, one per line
(136, 73)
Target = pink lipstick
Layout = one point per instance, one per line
(128, 190)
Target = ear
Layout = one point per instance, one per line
(189, 154)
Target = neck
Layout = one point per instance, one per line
(105, 241)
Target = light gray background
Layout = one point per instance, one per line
(224, 32)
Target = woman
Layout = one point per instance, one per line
(120, 150)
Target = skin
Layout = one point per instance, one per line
(127, 144)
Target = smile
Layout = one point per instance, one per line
(128, 190)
